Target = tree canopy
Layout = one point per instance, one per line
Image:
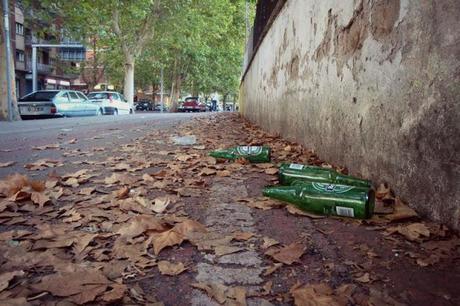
(198, 43)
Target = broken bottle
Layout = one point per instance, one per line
(326, 199)
(254, 154)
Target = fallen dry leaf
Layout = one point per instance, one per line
(148, 178)
(272, 269)
(223, 294)
(224, 173)
(165, 239)
(115, 294)
(365, 278)
(171, 269)
(207, 171)
(288, 254)
(412, 232)
(80, 286)
(140, 224)
(295, 211)
(222, 250)
(315, 295)
(40, 198)
(271, 171)
(7, 164)
(189, 226)
(161, 203)
(268, 242)
(5, 278)
(71, 182)
(46, 147)
(122, 193)
(87, 191)
(42, 164)
(242, 236)
(263, 203)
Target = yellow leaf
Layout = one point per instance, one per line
(169, 268)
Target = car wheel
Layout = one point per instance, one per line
(131, 111)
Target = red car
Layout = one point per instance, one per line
(193, 104)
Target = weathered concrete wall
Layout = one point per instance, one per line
(373, 85)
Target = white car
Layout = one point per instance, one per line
(111, 102)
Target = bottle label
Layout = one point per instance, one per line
(345, 211)
(249, 150)
(324, 187)
(296, 166)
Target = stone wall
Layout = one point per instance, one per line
(373, 85)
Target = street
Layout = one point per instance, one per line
(18, 139)
(121, 211)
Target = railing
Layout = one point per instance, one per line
(29, 40)
(266, 13)
(41, 68)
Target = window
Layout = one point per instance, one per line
(116, 96)
(98, 95)
(19, 29)
(73, 96)
(20, 56)
(81, 96)
(64, 98)
(40, 96)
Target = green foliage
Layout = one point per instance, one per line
(199, 42)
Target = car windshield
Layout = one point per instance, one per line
(98, 95)
(191, 99)
(40, 96)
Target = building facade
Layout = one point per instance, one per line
(56, 68)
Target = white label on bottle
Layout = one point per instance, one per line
(296, 166)
(249, 150)
(331, 188)
(345, 211)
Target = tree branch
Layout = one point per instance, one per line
(147, 31)
(118, 32)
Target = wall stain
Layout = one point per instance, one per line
(370, 18)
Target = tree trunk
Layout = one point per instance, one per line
(129, 80)
(3, 78)
(175, 87)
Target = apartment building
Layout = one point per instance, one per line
(56, 68)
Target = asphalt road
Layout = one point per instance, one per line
(17, 139)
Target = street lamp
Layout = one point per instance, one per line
(6, 22)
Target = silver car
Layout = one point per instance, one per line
(56, 103)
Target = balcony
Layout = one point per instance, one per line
(41, 68)
(30, 39)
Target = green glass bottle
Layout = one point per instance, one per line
(254, 154)
(326, 199)
(294, 172)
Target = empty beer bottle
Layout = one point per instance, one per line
(295, 172)
(254, 154)
(326, 199)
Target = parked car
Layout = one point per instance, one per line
(111, 102)
(193, 104)
(144, 106)
(56, 103)
(158, 108)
